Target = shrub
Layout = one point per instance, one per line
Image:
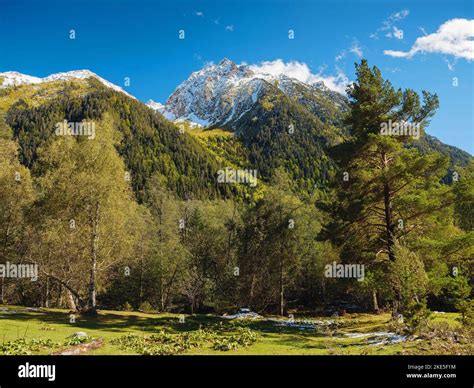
(162, 343)
(466, 308)
(22, 347)
(146, 307)
(73, 341)
(410, 283)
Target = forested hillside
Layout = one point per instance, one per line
(136, 215)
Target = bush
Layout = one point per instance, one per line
(73, 341)
(466, 308)
(162, 343)
(23, 347)
(244, 337)
(146, 307)
(410, 283)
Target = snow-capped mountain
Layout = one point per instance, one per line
(12, 78)
(221, 93)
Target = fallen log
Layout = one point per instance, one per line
(79, 349)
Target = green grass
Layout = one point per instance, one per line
(54, 324)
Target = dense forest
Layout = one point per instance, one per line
(136, 219)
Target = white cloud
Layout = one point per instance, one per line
(399, 15)
(395, 33)
(340, 56)
(389, 27)
(454, 37)
(337, 82)
(199, 13)
(356, 49)
(302, 72)
(230, 27)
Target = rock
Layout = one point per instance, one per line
(79, 334)
(397, 318)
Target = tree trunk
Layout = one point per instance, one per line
(282, 291)
(2, 293)
(323, 288)
(59, 301)
(71, 304)
(251, 291)
(162, 288)
(71, 294)
(281, 301)
(375, 304)
(387, 199)
(46, 299)
(389, 227)
(169, 287)
(92, 305)
(140, 293)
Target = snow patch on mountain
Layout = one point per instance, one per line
(219, 94)
(13, 78)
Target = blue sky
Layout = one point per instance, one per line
(140, 40)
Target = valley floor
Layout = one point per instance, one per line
(46, 331)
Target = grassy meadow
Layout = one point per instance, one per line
(47, 331)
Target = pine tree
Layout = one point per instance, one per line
(388, 189)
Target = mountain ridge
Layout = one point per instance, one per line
(285, 123)
(14, 78)
(220, 94)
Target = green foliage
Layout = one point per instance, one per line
(446, 287)
(146, 307)
(17, 195)
(74, 341)
(24, 347)
(410, 282)
(278, 132)
(244, 337)
(466, 308)
(463, 189)
(149, 143)
(172, 238)
(162, 343)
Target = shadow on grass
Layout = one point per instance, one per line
(126, 322)
(110, 322)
